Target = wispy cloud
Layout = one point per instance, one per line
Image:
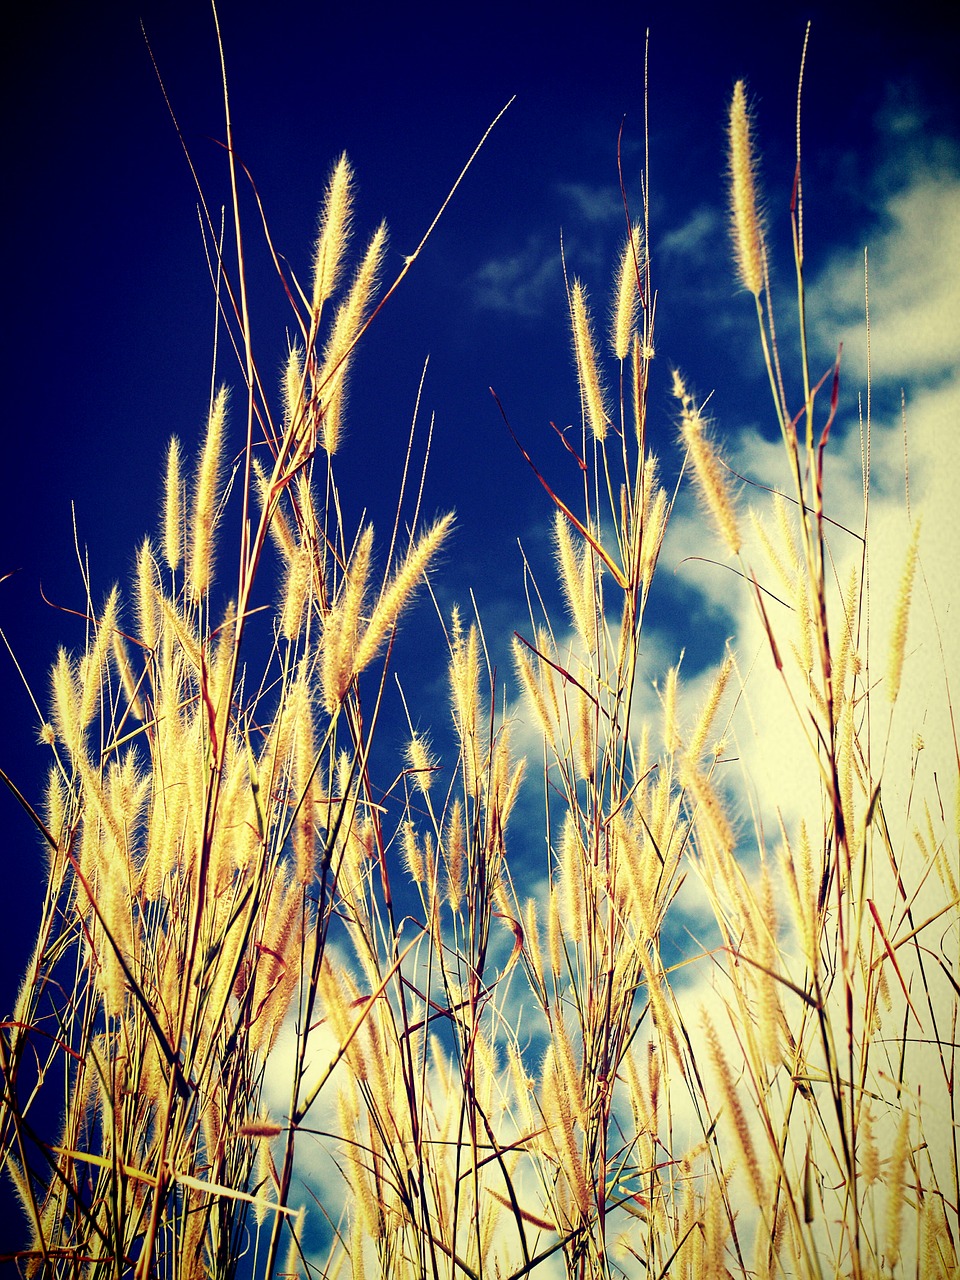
(523, 283)
(914, 286)
(529, 282)
(593, 204)
(696, 237)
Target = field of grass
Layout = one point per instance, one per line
(297, 1009)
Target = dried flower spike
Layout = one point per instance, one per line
(747, 225)
(708, 471)
(585, 351)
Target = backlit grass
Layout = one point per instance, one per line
(303, 1016)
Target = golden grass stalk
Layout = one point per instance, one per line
(654, 528)
(895, 1185)
(556, 1105)
(278, 971)
(92, 669)
(769, 1012)
(421, 763)
(708, 712)
(66, 703)
(713, 488)
(397, 593)
(626, 294)
(331, 246)
(671, 727)
(898, 633)
(205, 499)
(585, 739)
(350, 318)
(572, 882)
(746, 221)
(735, 1114)
(465, 694)
(296, 597)
(121, 657)
(578, 578)
(413, 854)
(279, 527)
(530, 682)
(591, 388)
(305, 787)
(292, 386)
(341, 625)
(173, 532)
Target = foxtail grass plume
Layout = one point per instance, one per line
(279, 526)
(296, 591)
(712, 486)
(421, 762)
(412, 853)
(292, 386)
(746, 221)
(173, 507)
(898, 638)
(334, 234)
(579, 580)
(342, 623)
(707, 715)
(465, 693)
(205, 498)
(627, 294)
(530, 682)
(896, 1188)
(399, 590)
(735, 1113)
(671, 728)
(350, 318)
(585, 351)
(454, 854)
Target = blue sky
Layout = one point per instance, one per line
(109, 307)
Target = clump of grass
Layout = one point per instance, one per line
(200, 815)
(510, 1077)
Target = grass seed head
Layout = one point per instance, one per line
(591, 387)
(710, 476)
(350, 319)
(898, 636)
(173, 506)
(331, 246)
(627, 298)
(206, 496)
(746, 222)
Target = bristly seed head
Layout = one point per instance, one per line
(747, 224)
(585, 352)
(708, 472)
(334, 234)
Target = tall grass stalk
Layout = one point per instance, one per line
(253, 948)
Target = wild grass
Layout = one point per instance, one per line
(253, 949)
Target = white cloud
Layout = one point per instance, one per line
(594, 204)
(694, 238)
(915, 336)
(914, 287)
(915, 344)
(519, 283)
